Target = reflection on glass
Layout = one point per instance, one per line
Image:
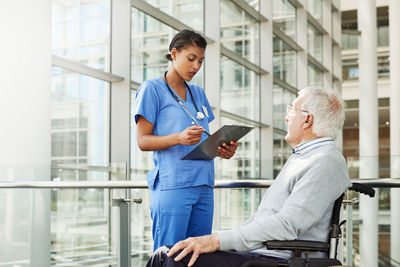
(80, 226)
(349, 41)
(284, 62)
(314, 76)
(350, 69)
(150, 42)
(246, 162)
(314, 42)
(253, 3)
(81, 31)
(78, 118)
(315, 8)
(141, 161)
(234, 206)
(383, 67)
(240, 90)
(79, 112)
(282, 151)
(284, 16)
(141, 225)
(383, 26)
(189, 12)
(239, 32)
(282, 98)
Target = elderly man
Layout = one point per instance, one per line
(299, 203)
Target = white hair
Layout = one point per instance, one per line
(327, 108)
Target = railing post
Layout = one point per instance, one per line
(349, 234)
(124, 233)
(124, 238)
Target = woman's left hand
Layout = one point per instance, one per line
(226, 151)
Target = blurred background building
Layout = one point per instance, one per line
(70, 71)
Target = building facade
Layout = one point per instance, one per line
(259, 54)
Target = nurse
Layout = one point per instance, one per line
(172, 117)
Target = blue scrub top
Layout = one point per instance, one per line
(157, 105)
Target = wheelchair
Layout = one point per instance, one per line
(301, 247)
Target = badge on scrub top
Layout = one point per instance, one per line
(205, 111)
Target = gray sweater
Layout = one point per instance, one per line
(299, 203)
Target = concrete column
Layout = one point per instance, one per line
(25, 52)
(212, 87)
(266, 95)
(120, 119)
(368, 114)
(394, 22)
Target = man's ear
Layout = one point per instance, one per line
(308, 121)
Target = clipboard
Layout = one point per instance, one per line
(208, 149)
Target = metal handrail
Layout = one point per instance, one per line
(250, 183)
(253, 183)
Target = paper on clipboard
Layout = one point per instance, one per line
(208, 149)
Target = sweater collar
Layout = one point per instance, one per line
(312, 144)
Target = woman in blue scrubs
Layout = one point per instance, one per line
(172, 117)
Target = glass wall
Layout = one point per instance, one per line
(246, 163)
(314, 76)
(80, 130)
(241, 86)
(189, 12)
(282, 150)
(81, 31)
(82, 228)
(284, 17)
(314, 42)
(240, 32)
(315, 9)
(282, 98)
(285, 62)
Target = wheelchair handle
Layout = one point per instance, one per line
(364, 189)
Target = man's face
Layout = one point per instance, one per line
(295, 118)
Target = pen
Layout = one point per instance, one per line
(191, 116)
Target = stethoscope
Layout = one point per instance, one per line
(199, 115)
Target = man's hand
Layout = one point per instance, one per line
(226, 151)
(197, 245)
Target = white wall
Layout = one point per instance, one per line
(25, 53)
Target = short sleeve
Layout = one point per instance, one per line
(147, 102)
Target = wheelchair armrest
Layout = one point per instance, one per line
(298, 245)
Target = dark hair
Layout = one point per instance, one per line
(186, 37)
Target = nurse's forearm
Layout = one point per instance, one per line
(155, 142)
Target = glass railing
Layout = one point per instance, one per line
(78, 215)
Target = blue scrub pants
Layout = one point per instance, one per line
(181, 213)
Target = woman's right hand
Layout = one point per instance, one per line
(190, 136)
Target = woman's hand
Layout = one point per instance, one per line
(227, 151)
(190, 136)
